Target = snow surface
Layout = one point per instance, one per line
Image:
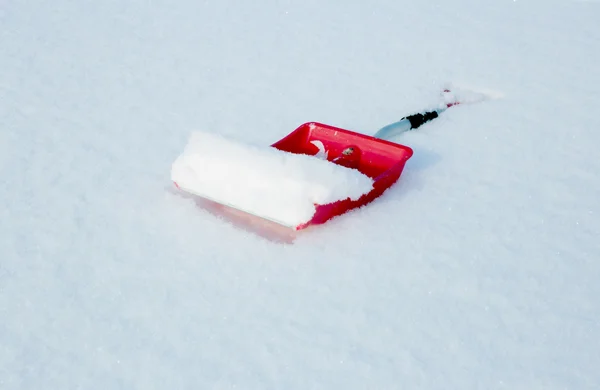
(479, 269)
(264, 181)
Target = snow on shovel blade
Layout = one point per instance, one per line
(310, 176)
(273, 184)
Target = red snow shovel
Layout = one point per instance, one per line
(374, 156)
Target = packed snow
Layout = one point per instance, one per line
(478, 269)
(264, 181)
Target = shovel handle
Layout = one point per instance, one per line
(407, 123)
(414, 121)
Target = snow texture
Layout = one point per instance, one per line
(478, 269)
(264, 181)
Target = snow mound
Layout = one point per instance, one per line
(273, 184)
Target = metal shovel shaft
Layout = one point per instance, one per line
(407, 123)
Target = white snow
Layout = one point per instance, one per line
(478, 269)
(276, 185)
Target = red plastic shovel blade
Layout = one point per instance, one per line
(379, 159)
